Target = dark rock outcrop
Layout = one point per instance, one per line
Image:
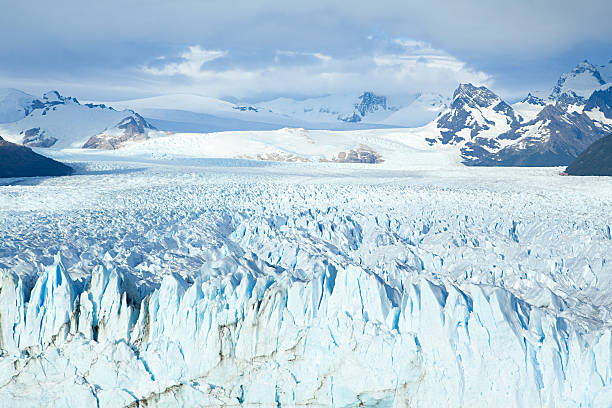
(21, 161)
(596, 160)
(602, 100)
(36, 138)
(368, 102)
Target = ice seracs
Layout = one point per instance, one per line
(251, 334)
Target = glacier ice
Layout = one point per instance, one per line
(241, 288)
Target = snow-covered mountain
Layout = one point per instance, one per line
(529, 107)
(474, 112)
(554, 138)
(419, 112)
(577, 84)
(368, 107)
(15, 104)
(194, 113)
(536, 131)
(60, 122)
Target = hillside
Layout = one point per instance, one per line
(596, 160)
(21, 161)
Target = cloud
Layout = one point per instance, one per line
(190, 65)
(413, 67)
(293, 54)
(521, 43)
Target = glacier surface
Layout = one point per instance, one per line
(231, 282)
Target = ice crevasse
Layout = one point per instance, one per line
(246, 333)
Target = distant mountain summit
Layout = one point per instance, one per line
(578, 84)
(55, 120)
(369, 102)
(368, 107)
(596, 160)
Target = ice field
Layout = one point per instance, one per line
(206, 282)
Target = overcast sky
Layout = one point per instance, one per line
(253, 50)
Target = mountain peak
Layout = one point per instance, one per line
(474, 96)
(370, 102)
(475, 112)
(533, 100)
(585, 64)
(578, 84)
(53, 97)
(465, 88)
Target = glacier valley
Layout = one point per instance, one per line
(225, 282)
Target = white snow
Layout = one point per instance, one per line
(399, 148)
(606, 71)
(598, 116)
(186, 281)
(13, 104)
(528, 111)
(582, 81)
(184, 102)
(421, 111)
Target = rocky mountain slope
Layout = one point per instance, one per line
(596, 160)
(20, 161)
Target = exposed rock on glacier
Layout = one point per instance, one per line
(132, 128)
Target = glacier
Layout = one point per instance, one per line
(238, 283)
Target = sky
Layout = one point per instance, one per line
(259, 50)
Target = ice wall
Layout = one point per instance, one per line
(245, 333)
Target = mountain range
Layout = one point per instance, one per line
(537, 131)
(546, 128)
